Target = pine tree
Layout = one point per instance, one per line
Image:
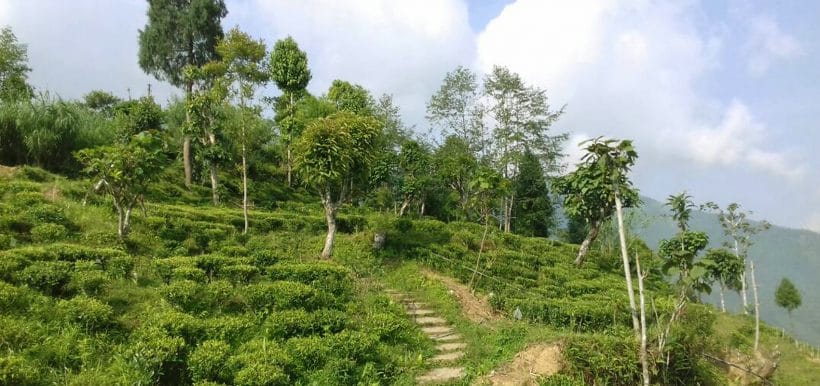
(533, 213)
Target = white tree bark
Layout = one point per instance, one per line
(627, 271)
(214, 174)
(330, 216)
(244, 189)
(757, 307)
(643, 354)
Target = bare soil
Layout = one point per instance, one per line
(475, 308)
(536, 361)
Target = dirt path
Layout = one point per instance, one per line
(535, 362)
(475, 308)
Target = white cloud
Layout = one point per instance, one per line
(737, 141)
(767, 44)
(403, 47)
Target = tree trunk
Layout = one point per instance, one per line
(480, 248)
(404, 205)
(244, 189)
(214, 174)
(743, 295)
(120, 222)
(591, 236)
(643, 355)
(757, 308)
(627, 270)
(126, 226)
(330, 216)
(508, 206)
(289, 165)
(186, 142)
(722, 302)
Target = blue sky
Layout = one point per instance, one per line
(720, 97)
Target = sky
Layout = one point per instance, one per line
(720, 97)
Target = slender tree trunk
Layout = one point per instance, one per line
(186, 142)
(644, 363)
(214, 173)
(289, 162)
(627, 270)
(404, 205)
(126, 226)
(757, 307)
(722, 302)
(421, 208)
(480, 248)
(330, 216)
(743, 295)
(244, 189)
(591, 236)
(120, 222)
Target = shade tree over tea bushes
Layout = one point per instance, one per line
(289, 70)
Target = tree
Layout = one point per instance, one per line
(395, 132)
(243, 61)
(414, 174)
(787, 296)
(180, 33)
(488, 186)
(740, 231)
(455, 165)
(14, 68)
(590, 190)
(532, 211)
(521, 120)
(289, 70)
(681, 206)
(330, 155)
(725, 268)
(101, 101)
(597, 188)
(456, 110)
(125, 170)
(350, 97)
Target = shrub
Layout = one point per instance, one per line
(186, 295)
(261, 374)
(165, 267)
(89, 282)
(326, 277)
(16, 370)
(18, 333)
(7, 241)
(291, 323)
(239, 273)
(209, 362)
(260, 362)
(47, 276)
(13, 299)
(179, 324)
(120, 266)
(48, 233)
(229, 328)
(280, 295)
(189, 273)
(604, 359)
(90, 313)
(151, 351)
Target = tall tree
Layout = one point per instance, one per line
(244, 61)
(521, 120)
(533, 213)
(725, 268)
(787, 296)
(590, 190)
(180, 33)
(456, 109)
(488, 186)
(597, 188)
(350, 97)
(739, 230)
(414, 174)
(289, 70)
(331, 154)
(395, 132)
(455, 165)
(14, 68)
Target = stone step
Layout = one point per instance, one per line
(441, 374)
(437, 330)
(430, 320)
(447, 357)
(413, 304)
(420, 311)
(451, 346)
(446, 337)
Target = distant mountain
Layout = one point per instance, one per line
(778, 252)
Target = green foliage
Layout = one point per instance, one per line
(533, 213)
(456, 111)
(14, 68)
(101, 101)
(349, 97)
(787, 296)
(604, 359)
(725, 267)
(48, 233)
(17, 370)
(208, 362)
(90, 313)
(46, 276)
(289, 66)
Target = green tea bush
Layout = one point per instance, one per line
(48, 233)
(189, 273)
(260, 362)
(561, 380)
(18, 186)
(13, 299)
(232, 329)
(46, 276)
(179, 324)
(18, 333)
(89, 313)
(66, 349)
(88, 282)
(208, 362)
(309, 353)
(17, 370)
(604, 359)
(8, 241)
(151, 352)
(120, 266)
(281, 295)
(326, 277)
(28, 198)
(239, 273)
(165, 267)
(291, 323)
(186, 295)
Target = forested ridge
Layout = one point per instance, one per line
(223, 237)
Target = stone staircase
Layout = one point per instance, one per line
(448, 341)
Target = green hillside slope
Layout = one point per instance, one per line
(778, 252)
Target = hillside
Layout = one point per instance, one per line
(188, 299)
(778, 252)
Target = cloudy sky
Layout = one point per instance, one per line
(720, 96)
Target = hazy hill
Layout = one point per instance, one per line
(779, 252)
